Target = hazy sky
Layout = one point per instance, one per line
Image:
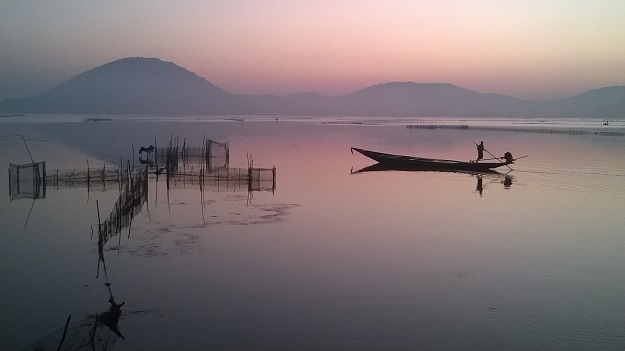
(537, 49)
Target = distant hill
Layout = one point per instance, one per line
(606, 102)
(130, 85)
(429, 99)
(151, 86)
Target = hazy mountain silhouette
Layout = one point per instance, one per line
(151, 86)
(130, 85)
(429, 99)
(608, 102)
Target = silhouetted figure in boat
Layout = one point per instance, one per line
(508, 157)
(480, 151)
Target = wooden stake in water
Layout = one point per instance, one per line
(98, 207)
(31, 156)
(64, 333)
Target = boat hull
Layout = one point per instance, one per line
(420, 163)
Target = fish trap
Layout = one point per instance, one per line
(27, 181)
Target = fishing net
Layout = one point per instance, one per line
(217, 155)
(132, 197)
(94, 179)
(262, 179)
(87, 334)
(214, 155)
(217, 150)
(27, 181)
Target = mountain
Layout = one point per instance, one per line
(447, 100)
(151, 86)
(132, 86)
(428, 99)
(608, 102)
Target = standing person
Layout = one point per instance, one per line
(480, 151)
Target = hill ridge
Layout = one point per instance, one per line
(148, 85)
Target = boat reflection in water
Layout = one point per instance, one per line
(507, 181)
(391, 162)
(383, 167)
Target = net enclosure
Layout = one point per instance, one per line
(27, 181)
(262, 179)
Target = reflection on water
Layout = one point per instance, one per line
(507, 182)
(97, 331)
(196, 169)
(506, 179)
(479, 187)
(327, 260)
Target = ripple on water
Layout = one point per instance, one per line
(592, 181)
(545, 328)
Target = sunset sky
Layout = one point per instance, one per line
(533, 49)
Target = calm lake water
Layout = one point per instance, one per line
(329, 259)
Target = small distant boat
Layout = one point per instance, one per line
(420, 163)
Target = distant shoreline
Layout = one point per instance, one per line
(563, 130)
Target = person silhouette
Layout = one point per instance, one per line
(480, 151)
(508, 157)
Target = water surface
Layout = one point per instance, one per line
(530, 259)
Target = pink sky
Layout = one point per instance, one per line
(529, 49)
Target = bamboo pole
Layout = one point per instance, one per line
(31, 156)
(155, 155)
(95, 325)
(88, 178)
(64, 333)
(45, 180)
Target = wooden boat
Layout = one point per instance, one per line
(420, 163)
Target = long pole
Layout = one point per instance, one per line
(31, 156)
(495, 157)
(64, 333)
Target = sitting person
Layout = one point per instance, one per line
(508, 157)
